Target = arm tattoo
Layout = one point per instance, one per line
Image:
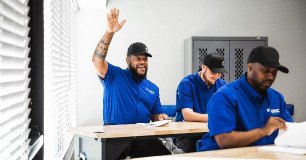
(100, 55)
(103, 42)
(102, 47)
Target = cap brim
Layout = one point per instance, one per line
(218, 70)
(146, 54)
(283, 69)
(278, 66)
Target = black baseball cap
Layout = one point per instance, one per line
(214, 62)
(138, 48)
(268, 57)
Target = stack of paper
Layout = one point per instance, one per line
(290, 141)
(293, 136)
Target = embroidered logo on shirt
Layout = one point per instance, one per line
(152, 92)
(273, 111)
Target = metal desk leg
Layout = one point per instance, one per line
(100, 149)
(93, 149)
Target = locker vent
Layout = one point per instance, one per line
(221, 52)
(238, 62)
(202, 54)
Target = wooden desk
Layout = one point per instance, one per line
(235, 153)
(97, 141)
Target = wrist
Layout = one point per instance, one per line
(205, 117)
(262, 132)
(109, 32)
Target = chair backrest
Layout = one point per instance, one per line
(198, 144)
(170, 110)
(290, 108)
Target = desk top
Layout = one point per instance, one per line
(134, 130)
(235, 153)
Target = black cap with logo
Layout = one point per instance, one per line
(214, 62)
(268, 57)
(138, 48)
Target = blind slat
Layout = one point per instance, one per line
(17, 6)
(12, 99)
(13, 51)
(14, 75)
(14, 27)
(13, 63)
(13, 15)
(13, 39)
(16, 109)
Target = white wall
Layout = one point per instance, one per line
(91, 26)
(164, 25)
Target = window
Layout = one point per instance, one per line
(14, 80)
(60, 76)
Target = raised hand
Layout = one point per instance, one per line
(112, 21)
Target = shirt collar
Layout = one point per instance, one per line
(248, 88)
(130, 74)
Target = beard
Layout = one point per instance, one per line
(136, 75)
(261, 85)
(206, 79)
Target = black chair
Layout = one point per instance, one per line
(170, 110)
(290, 108)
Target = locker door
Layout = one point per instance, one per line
(239, 52)
(203, 47)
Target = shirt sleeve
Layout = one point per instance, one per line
(184, 96)
(157, 108)
(222, 114)
(111, 74)
(284, 112)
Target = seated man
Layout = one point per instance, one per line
(128, 96)
(247, 112)
(193, 94)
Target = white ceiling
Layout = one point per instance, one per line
(92, 4)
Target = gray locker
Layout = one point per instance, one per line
(240, 51)
(202, 48)
(235, 51)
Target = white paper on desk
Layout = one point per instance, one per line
(290, 141)
(293, 137)
(155, 124)
(293, 150)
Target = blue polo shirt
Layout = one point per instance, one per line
(239, 107)
(194, 93)
(127, 101)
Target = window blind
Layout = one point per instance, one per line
(60, 75)
(14, 80)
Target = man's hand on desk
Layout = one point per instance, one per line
(159, 117)
(273, 124)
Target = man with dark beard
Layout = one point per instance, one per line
(193, 94)
(247, 112)
(128, 96)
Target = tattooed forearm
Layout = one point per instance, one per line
(102, 47)
(100, 55)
